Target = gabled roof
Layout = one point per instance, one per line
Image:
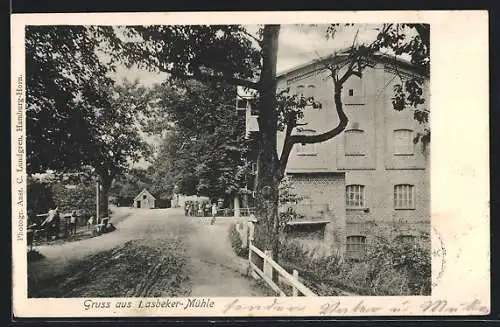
(381, 57)
(144, 191)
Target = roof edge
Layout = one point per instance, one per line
(144, 189)
(380, 56)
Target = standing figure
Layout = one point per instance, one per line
(206, 211)
(56, 224)
(51, 224)
(90, 222)
(72, 223)
(214, 213)
(200, 209)
(191, 209)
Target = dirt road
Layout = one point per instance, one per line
(152, 253)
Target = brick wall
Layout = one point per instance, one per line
(326, 189)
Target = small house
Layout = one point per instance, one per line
(144, 200)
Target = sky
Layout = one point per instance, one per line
(298, 44)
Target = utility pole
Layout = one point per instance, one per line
(97, 201)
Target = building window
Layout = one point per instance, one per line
(404, 196)
(354, 142)
(355, 196)
(310, 92)
(354, 93)
(144, 196)
(304, 149)
(403, 142)
(300, 90)
(355, 246)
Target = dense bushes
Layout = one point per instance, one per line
(80, 196)
(236, 243)
(393, 267)
(399, 267)
(311, 258)
(39, 197)
(60, 191)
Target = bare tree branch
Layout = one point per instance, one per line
(343, 120)
(356, 63)
(256, 39)
(203, 77)
(287, 147)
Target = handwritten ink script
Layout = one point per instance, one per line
(19, 158)
(277, 307)
(272, 308)
(426, 307)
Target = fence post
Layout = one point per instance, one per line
(295, 278)
(250, 256)
(268, 269)
(250, 269)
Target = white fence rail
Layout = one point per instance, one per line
(266, 273)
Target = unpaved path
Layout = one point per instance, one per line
(152, 253)
(216, 270)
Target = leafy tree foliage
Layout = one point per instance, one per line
(128, 184)
(63, 71)
(412, 40)
(77, 115)
(39, 197)
(222, 53)
(203, 151)
(67, 191)
(69, 197)
(115, 130)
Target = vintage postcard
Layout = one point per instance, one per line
(230, 164)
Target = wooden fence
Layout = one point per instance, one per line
(266, 273)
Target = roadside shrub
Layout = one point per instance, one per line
(399, 267)
(312, 257)
(236, 242)
(79, 196)
(39, 197)
(34, 255)
(389, 267)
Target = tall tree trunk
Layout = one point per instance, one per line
(105, 183)
(268, 165)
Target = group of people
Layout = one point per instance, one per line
(201, 209)
(73, 222)
(51, 225)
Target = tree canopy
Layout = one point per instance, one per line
(203, 149)
(77, 115)
(128, 184)
(64, 71)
